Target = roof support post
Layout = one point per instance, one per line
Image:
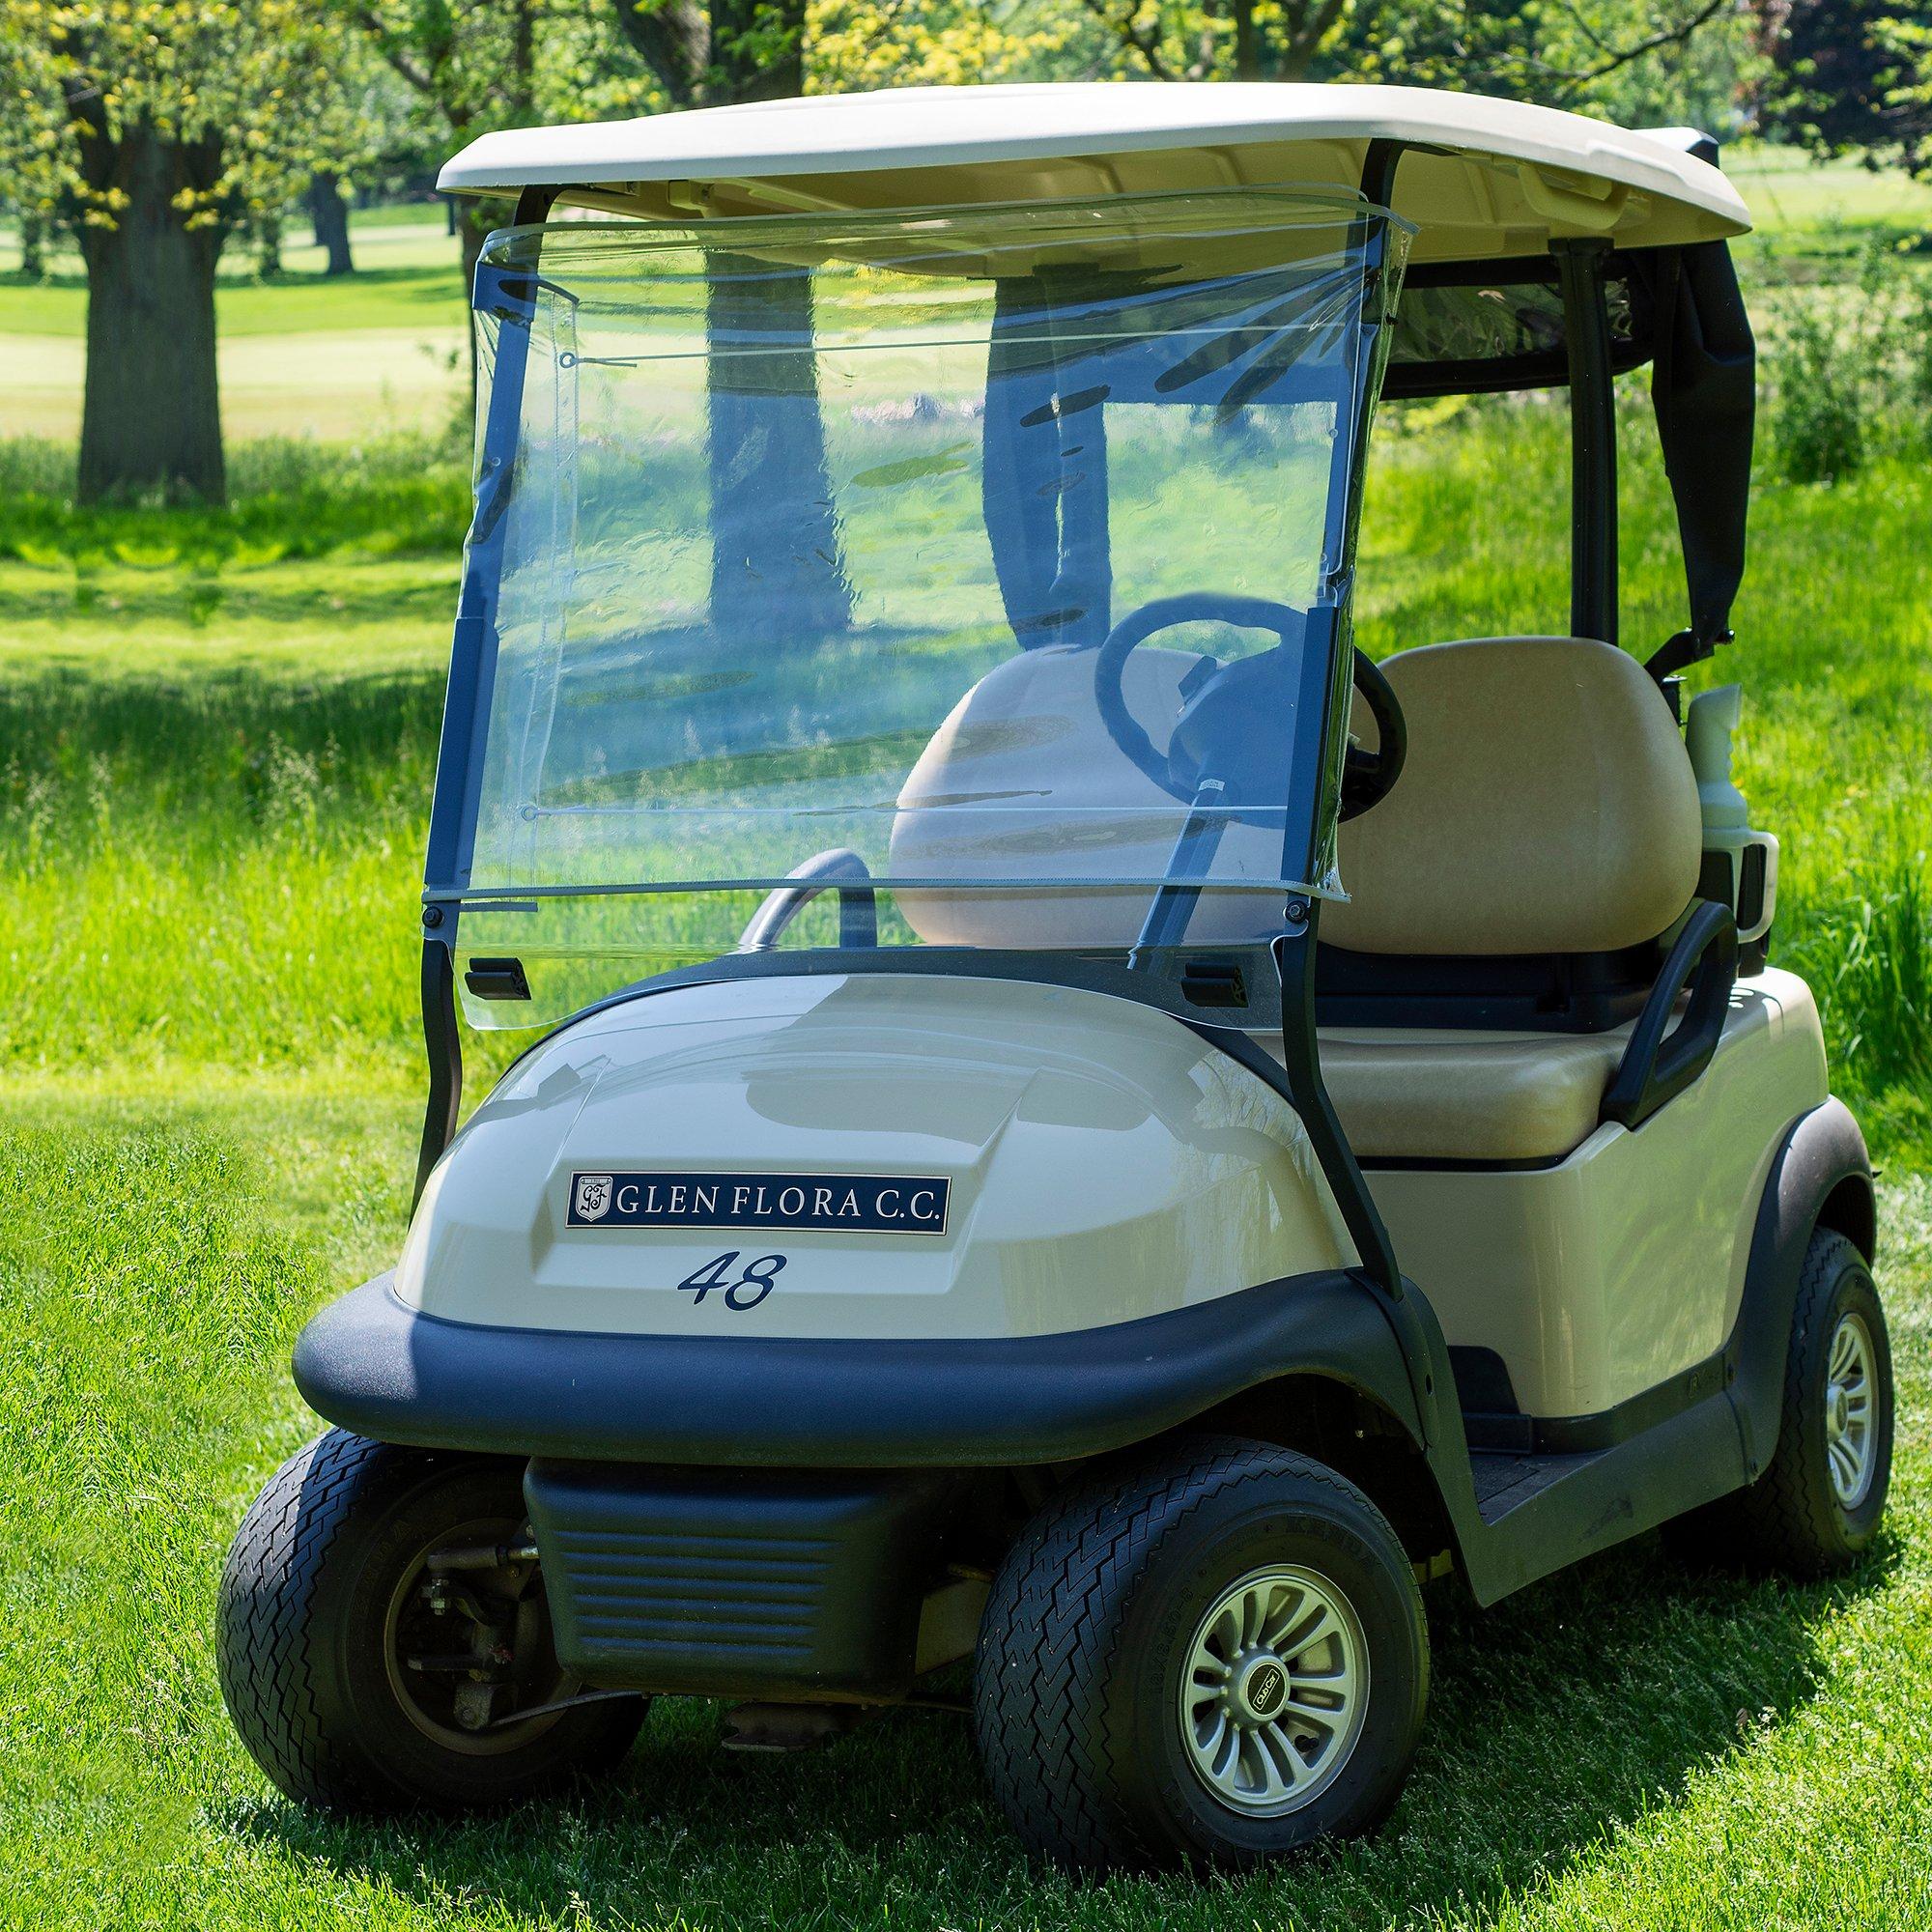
(1593, 437)
(452, 819)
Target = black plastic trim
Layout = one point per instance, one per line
(1543, 993)
(782, 1584)
(1822, 1152)
(1449, 1164)
(1511, 1428)
(501, 979)
(442, 1048)
(372, 1365)
(1658, 1064)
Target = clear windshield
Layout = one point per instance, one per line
(998, 557)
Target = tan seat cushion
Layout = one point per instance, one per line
(1024, 778)
(1547, 804)
(1405, 1093)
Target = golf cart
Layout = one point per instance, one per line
(1085, 1127)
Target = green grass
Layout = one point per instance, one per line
(1800, 204)
(1620, 1745)
(406, 270)
(301, 356)
(252, 777)
(216, 734)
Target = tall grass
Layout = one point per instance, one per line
(289, 497)
(212, 825)
(1876, 947)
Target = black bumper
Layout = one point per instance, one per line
(397, 1376)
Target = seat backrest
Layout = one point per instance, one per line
(1029, 738)
(1548, 805)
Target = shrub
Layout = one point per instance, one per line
(1851, 368)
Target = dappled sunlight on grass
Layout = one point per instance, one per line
(1627, 1741)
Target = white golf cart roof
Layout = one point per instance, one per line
(1481, 178)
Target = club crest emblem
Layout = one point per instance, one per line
(593, 1200)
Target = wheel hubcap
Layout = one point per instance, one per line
(1850, 1440)
(1274, 1691)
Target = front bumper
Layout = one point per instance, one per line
(391, 1373)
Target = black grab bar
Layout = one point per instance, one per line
(1654, 1067)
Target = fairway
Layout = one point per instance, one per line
(386, 348)
(218, 736)
(341, 384)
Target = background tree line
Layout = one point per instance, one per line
(153, 134)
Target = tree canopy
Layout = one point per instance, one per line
(1855, 77)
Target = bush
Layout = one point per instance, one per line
(1852, 368)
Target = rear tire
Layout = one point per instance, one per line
(1817, 1506)
(1214, 1657)
(326, 1599)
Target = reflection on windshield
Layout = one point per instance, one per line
(846, 537)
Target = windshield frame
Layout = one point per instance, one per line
(506, 294)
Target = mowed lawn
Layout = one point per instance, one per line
(215, 747)
(305, 355)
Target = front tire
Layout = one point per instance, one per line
(1212, 1658)
(362, 1676)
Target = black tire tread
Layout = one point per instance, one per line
(1039, 1669)
(264, 1657)
(1789, 1522)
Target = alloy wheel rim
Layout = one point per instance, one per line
(1274, 1691)
(1850, 1438)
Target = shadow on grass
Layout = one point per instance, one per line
(1557, 1717)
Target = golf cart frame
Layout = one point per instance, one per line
(921, 1432)
(1599, 1478)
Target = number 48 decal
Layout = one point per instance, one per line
(758, 1276)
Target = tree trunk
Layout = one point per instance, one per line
(777, 567)
(150, 416)
(33, 246)
(777, 572)
(331, 215)
(1247, 42)
(268, 247)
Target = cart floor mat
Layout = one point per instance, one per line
(1502, 1480)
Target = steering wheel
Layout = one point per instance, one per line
(1221, 700)
(1369, 777)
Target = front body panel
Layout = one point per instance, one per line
(1099, 1162)
(1624, 1264)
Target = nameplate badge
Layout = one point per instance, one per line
(864, 1204)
